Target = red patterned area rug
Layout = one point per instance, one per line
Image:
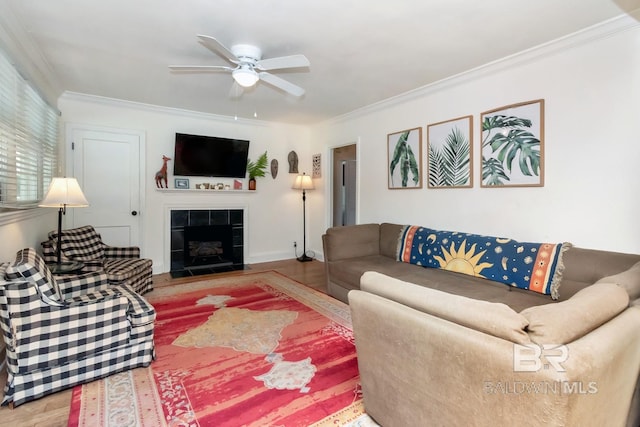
(250, 350)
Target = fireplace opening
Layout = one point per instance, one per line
(205, 241)
(208, 246)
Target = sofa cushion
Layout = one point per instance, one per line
(496, 319)
(352, 241)
(389, 239)
(566, 321)
(534, 266)
(629, 280)
(81, 244)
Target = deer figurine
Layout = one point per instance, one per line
(162, 173)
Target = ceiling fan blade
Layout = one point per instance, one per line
(200, 68)
(293, 61)
(216, 47)
(281, 84)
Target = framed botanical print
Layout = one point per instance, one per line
(404, 160)
(513, 145)
(450, 153)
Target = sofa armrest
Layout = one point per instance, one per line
(351, 241)
(416, 368)
(121, 252)
(74, 285)
(608, 360)
(40, 335)
(49, 253)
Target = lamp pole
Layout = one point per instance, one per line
(59, 244)
(304, 257)
(303, 182)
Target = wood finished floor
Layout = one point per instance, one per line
(53, 410)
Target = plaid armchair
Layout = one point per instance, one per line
(123, 265)
(59, 336)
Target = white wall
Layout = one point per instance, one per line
(28, 231)
(591, 196)
(274, 209)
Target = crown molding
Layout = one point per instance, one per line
(140, 106)
(599, 31)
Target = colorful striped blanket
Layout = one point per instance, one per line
(534, 266)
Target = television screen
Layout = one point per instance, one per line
(197, 155)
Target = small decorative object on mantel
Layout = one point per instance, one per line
(293, 162)
(257, 169)
(237, 185)
(274, 168)
(161, 175)
(182, 183)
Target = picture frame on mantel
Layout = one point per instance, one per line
(404, 159)
(512, 152)
(450, 153)
(181, 183)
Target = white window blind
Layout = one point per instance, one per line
(28, 140)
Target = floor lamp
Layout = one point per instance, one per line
(303, 182)
(63, 193)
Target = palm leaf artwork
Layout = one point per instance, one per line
(404, 158)
(509, 146)
(450, 164)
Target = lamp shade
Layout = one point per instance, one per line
(245, 77)
(64, 192)
(303, 182)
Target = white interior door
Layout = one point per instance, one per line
(107, 166)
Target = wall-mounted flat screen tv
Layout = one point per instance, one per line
(197, 155)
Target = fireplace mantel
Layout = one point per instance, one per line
(204, 190)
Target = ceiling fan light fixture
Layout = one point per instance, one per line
(245, 77)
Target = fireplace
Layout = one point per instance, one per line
(208, 246)
(206, 241)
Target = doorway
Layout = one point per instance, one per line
(344, 185)
(107, 165)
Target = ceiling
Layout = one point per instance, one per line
(361, 51)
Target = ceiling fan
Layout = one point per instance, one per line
(249, 65)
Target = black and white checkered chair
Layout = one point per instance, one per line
(123, 265)
(57, 338)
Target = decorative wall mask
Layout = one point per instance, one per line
(293, 162)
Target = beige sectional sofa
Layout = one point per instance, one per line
(442, 348)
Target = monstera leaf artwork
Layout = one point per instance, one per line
(405, 159)
(512, 145)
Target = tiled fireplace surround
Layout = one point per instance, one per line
(181, 217)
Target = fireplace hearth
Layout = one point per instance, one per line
(206, 241)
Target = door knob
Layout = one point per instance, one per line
(134, 213)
